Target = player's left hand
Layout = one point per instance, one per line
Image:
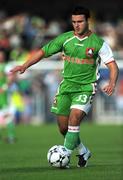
(109, 89)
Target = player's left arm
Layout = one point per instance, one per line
(106, 55)
(114, 71)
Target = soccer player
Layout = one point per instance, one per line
(82, 52)
(6, 111)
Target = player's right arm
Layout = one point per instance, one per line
(53, 47)
(33, 60)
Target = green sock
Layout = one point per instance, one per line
(78, 142)
(72, 138)
(11, 130)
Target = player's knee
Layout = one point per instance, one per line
(75, 117)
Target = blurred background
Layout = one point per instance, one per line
(25, 26)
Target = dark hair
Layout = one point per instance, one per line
(80, 10)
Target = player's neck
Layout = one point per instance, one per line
(84, 34)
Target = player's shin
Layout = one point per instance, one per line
(10, 130)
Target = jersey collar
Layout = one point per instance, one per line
(85, 36)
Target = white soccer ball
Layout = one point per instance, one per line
(58, 156)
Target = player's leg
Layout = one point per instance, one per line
(10, 131)
(2, 124)
(6, 122)
(72, 139)
(63, 128)
(10, 125)
(81, 104)
(61, 107)
(79, 108)
(63, 124)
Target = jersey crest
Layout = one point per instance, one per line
(90, 52)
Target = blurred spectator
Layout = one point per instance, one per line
(15, 41)
(33, 31)
(40, 98)
(54, 28)
(25, 86)
(19, 54)
(119, 30)
(4, 42)
(119, 99)
(108, 33)
(14, 95)
(6, 110)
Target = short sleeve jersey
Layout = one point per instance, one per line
(81, 56)
(3, 83)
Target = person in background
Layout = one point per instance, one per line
(82, 52)
(15, 96)
(6, 111)
(119, 99)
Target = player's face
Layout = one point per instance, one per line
(80, 24)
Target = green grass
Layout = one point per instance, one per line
(26, 159)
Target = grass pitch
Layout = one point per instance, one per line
(26, 159)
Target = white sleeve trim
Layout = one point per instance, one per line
(106, 53)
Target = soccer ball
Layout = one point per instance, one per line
(58, 156)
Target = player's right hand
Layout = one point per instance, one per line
(21, 69)
(109, 89)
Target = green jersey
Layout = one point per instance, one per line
(3, 84)
(81, 56)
